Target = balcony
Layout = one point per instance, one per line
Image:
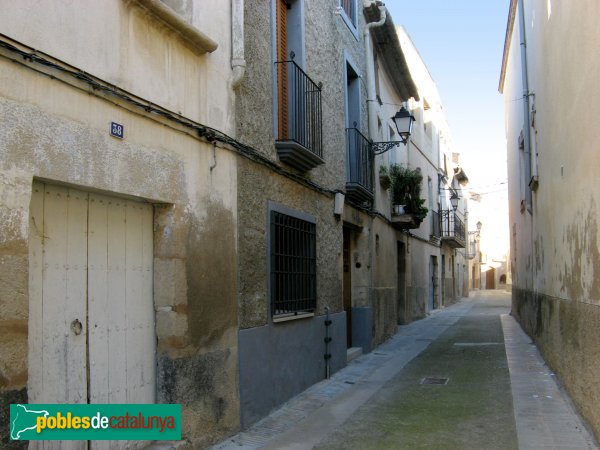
(405, 221)
(453, 230)
(359, 180)
(299, 140)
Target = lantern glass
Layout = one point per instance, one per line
(404, 122)
(454, 200)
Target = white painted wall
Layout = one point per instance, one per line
(120, 43)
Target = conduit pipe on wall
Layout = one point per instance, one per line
(530, 147)
(370, 68)
(372, 112)
(238, 58)
(527, 125)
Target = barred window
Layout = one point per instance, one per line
(293, 265)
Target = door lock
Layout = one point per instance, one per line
(76, 327)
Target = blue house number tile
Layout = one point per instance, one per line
(117, 130)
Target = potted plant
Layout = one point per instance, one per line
(406, 192)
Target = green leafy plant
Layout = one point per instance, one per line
(384, 177)
(406, 190)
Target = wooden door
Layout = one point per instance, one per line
(57, 292)
(347, 274)
(281, 12)
(91, 325)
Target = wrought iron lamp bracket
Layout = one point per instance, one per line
(382, 147)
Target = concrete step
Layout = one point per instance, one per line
(352, 353)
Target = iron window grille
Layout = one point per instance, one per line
(293, 265)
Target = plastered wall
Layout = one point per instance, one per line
(554, 249)
(57, 131)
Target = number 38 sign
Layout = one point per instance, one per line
(117, 130)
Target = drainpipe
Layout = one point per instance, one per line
(527, 119)
(372, 112)
(371, 90)
(238, 61)
(328, 340)
(530, 146)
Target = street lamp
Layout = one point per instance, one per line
(403, 120)
(454, 200)
(404, 123)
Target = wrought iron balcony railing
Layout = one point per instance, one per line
(453, 229)
(359, 181)
(300, 120)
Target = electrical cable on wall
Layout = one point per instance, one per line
(208, 134)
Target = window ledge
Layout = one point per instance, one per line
(191, 36)
(287, 317)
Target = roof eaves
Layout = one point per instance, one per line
(509, 30)
(387, 44)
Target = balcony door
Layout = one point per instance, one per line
(289, 46)
(353, 121)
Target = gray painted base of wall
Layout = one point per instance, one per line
(566, 332)
(362, 328)
(278, 361)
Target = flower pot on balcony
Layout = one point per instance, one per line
(398, 210)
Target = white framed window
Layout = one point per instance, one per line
(349, 12)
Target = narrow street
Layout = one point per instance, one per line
(466, 377)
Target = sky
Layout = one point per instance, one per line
(461, 42)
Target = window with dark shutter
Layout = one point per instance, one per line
(282, 78)
(349, 7)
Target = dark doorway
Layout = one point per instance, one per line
(401, 271)
(433, 285)
(347, 284)
(490, 279)
(443, 281)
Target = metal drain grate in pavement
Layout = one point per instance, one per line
(432, 380)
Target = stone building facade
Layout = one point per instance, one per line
(299, 53)
(550, 90)
(437, 248)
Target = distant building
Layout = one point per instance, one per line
(552, 102)
(488, 252)
(438, 263)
